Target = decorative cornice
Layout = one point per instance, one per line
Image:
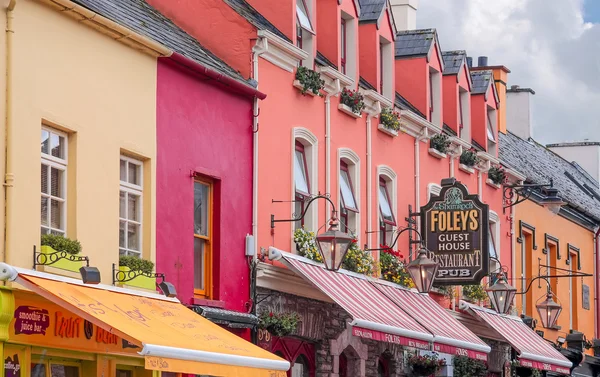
(374, 102)
(457, 146)
(529, 227)
(335, 81)
(514, 174)
(577, 251)
(485, 161)
(417, 127)
(278, 51)
(546, 249)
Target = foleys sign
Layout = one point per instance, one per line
(455, 231)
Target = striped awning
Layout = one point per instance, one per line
(449, 335)
(533, 351)
(374, 315)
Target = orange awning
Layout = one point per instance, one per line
(173, 338)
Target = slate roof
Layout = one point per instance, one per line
(142, 18)
(362, 82)
(370, 10)
(540, 165)
(323, 61)
(414, 42)
(453, 60)
(252, 16)
(481, 81)
(403, 103)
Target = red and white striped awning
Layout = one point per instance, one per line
(533, 351)
(449, 335)
(374, 316)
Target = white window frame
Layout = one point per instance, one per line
(391, 182)
(387, 54)
(351, 46)
(494, 221)
(62, 165)
(491, 115)
(464, 102)
(308, 35)
(311, 153)
(353, 161)
(130, 188)
(436, 94)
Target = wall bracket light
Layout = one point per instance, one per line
(515, 194)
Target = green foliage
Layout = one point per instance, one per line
(474, 293)
(358, 260)
(393, 267)
(497, 175)
(278, 324)
(307, 245)
(353, 99)
(448, 291)
(60, 243)
(425, 365)
(390, 119)
(469, 158)
(440, 142)
(136, 264)
(310, 80)
(466, 367)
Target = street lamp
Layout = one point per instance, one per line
(515, 194)
(549, 310)
(422, 270)
(333, 244)
(501, 294)
(552, 201)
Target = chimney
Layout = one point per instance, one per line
(469, 62)
(482, 61)
(518, 111)
(405, 14)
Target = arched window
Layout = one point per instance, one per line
(304, 176)
(386, 197)
(349, 184)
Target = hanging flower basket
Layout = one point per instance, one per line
(358, 260)
(279, 324)
(466, 367)
(427, 365)
(474, 293)
(393, 267)
(306, 245)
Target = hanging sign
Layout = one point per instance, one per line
(455, 231)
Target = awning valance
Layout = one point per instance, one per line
(173, 338)
(533, 350)
(387, 312)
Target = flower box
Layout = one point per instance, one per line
(491, 183)
(64, 263)
(300, 87)
(346, 109)
(386, 130)
(140, 281)
(466, 169)
(437, 154)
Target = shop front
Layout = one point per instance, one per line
(60, 327)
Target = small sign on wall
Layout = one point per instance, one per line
(585, 291)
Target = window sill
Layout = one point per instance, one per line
(466, 169)
(300, 87)
(437, 154)
(490, 183)
(386, 130)
(210, 303)
(347, 110)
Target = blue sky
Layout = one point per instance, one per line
(591, 11)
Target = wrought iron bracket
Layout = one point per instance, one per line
(42, 259)
(125, 276)
(515, 194)
(398, 233)
(301, 216)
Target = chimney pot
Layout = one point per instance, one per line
(469, 62)
(482, 61)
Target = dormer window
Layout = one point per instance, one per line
(490, 128)
(491, 131)
(304, 30)
(343, 38)
(303, 17)
(461, 123)
(430, 97)
(381, 57)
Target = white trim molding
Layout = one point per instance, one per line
(353, 161)
(418, 127)
(433, 188)
(279, 51)
(311, 152)
(335, 81)
(391, 178)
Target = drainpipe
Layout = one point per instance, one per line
(369, 181)
(597, 287)
(9, 176)
(327, 152)
(257, 51)
(424, 135)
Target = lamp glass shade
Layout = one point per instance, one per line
(422, 270)
(549, 310)
(501, 295)
(333, 246)
(552, 201)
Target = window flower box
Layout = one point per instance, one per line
(308, 81)
(437, 154)
(64, 263)
(348, 110)
(491, 183)
(386, 130)
(466, 169)
(300, 87)
(140, 281)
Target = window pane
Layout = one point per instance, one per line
(300, 176)
(198, 263)
(38, 370)
(44, 178)
(44, 215)
(133, 204)
(302, 15)
(56, 213)
(123, 170)
(201, 209)
(384, 205)
(490, 129)
(133, 236)
(122, 207)
(45, 142)
(492, 244)
(346, 190)
(63, 371)
(122, 226)
(56, 182)
(57, 145)
(297, 212)
(125, 373)
(133, 174)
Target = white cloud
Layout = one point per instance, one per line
(547, 46)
